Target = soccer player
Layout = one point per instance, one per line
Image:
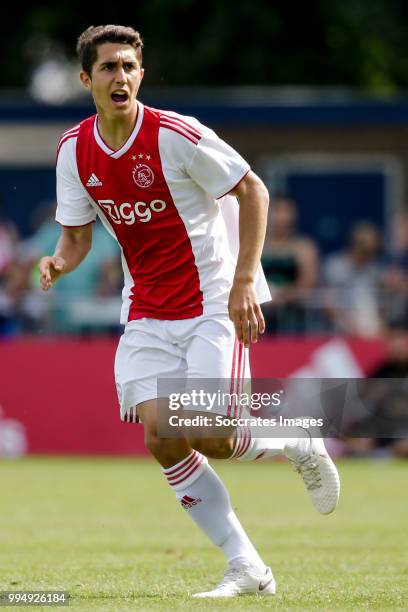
(157, 180)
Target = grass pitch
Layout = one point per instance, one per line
(110, 532)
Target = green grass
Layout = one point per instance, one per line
(111, 533)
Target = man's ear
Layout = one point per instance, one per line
(85, 79)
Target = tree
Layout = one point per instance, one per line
(358, 43)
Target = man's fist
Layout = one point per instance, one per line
(51, 269)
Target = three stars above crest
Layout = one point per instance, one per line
(141, 156)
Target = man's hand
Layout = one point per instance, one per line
(51, 269)
(245, 312)
(71, 248)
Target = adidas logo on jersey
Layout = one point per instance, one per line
(93, 181)
(188, 502)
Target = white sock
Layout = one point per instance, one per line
(203, 495)
(249, 447)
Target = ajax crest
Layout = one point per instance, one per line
(143, 176)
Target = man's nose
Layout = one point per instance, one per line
(120, 76)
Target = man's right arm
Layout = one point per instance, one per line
(72, 247)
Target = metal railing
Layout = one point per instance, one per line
(322, 310)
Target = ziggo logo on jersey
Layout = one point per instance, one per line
(129, 213)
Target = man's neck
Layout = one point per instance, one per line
(116, 131)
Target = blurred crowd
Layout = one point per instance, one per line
(361, 290)
(87, 301)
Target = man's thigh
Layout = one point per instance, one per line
(215, 357)
(143, 356)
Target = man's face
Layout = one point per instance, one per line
(282, 217)
(366, 242)
(115, 79)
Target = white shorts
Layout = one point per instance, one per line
(203, 347)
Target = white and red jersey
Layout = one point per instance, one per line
(160, 196)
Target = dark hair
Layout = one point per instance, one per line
(362, 226)
(88, 42)
(287, 200)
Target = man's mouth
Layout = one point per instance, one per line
(120, 96)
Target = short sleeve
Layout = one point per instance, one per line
(73, 206)
(216, 166)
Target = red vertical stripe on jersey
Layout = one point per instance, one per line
(133, 196)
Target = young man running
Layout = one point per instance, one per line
(190, 308)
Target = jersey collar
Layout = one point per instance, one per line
(124, 148)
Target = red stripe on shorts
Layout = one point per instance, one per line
(239, 379)
(234, 358)
(241, 407)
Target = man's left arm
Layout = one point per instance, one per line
(243, 307)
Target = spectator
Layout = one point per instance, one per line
(385, 432)
(291, 264)
(394, 278)
(353, 278)
(10, 277)
(97, 277)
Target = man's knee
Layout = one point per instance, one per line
(152, 441)
(216, 448)
(167, 451)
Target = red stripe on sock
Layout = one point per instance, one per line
(187, 467)
(189, 471)
(239, 443)
(243, 441)
(174, 470)
(247, 442)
